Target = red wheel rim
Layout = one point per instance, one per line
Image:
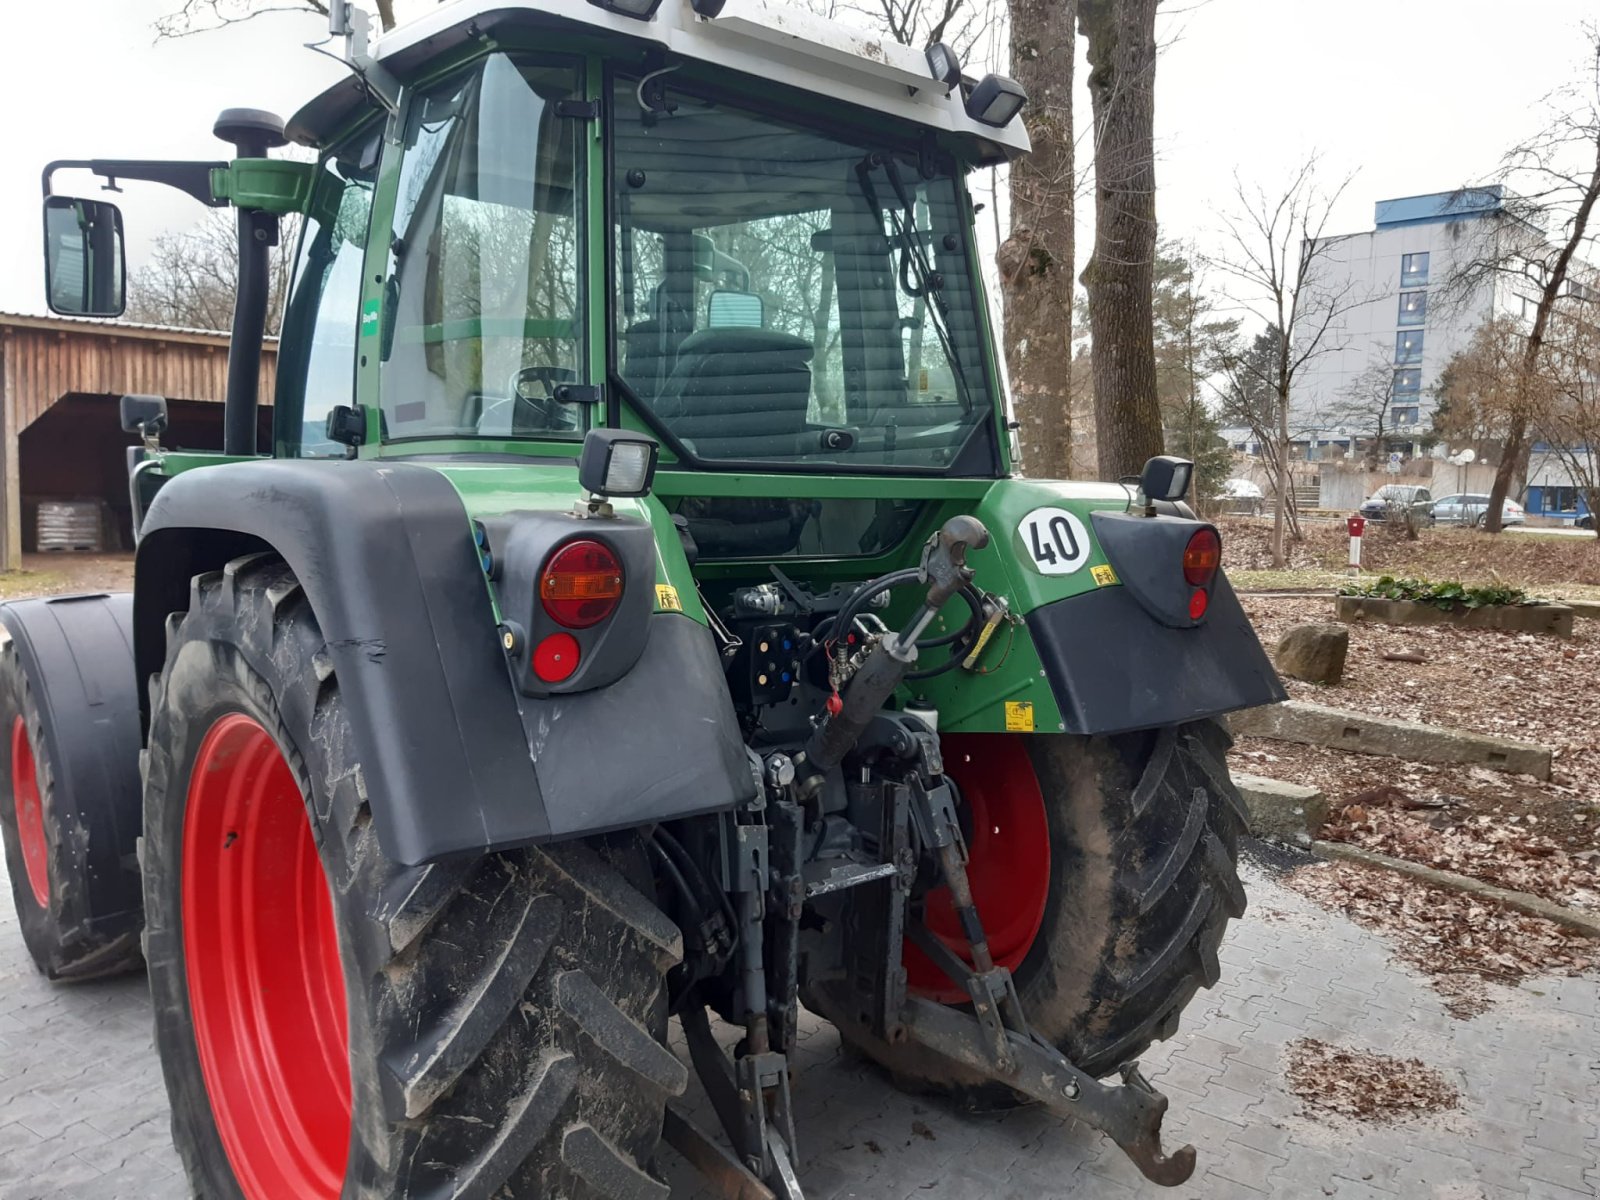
(30, 814)
(265, 983)
(1009, 867)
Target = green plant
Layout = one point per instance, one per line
(1441, 595)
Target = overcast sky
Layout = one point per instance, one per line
(1413, 95)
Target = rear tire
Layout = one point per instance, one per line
(1143, 832)
(505, 1015)
(70, 857)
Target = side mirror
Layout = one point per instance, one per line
(1166, 478)
(84, 271)
(144, 415)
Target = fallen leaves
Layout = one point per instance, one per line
(1507, 851)
(1367, 1087)
(1462, 943)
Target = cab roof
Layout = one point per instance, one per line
(765, 41)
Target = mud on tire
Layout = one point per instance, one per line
(506, 1013)
(1144, 832)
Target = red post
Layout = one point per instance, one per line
(1356, 525)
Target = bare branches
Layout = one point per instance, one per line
(1278, 264)
(191, 278)
(203, 16)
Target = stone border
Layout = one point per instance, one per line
(1585, 923)
(1513, 618)
(1289, 812)
(1316, 725)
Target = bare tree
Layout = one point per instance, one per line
(1036, 260)
(1565, 407)
(1558, 175)
(1275, 259)
(1477, 387)
(1363, 407)
(1122, 71)
(192, 278)
(202, 16)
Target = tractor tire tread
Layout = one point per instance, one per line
(475, 1072)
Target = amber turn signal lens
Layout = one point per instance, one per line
(581, 584)
(1201, 558)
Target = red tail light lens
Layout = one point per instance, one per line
(1201, 558)
(581, 584)
(1198, 603)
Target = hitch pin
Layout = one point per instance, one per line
(999, 608)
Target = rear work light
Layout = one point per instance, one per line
(581, 584)
(1201, 558)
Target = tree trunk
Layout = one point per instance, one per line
(1036, 261)
(1120, 274)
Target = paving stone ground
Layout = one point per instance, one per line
(83, 1113)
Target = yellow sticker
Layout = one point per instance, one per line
(1019, 716)
(667, 598)
(1104, 576)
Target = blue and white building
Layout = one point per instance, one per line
(1397, 323)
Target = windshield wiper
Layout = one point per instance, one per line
(917, 277)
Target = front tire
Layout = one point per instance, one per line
(332, 1024)
(1140, 883)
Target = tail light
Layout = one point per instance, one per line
(556, 658)
(581, 584)
(1201, 558)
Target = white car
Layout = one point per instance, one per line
(1242, 496)
(1467, 508)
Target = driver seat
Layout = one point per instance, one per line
(739, 392)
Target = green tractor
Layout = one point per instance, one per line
(638, 615)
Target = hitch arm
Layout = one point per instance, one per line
(1130, 1114)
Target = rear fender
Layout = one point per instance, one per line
(386, 556)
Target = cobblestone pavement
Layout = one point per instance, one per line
(83, 1113)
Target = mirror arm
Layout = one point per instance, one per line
(191, 178)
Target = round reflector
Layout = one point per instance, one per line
(556, 658)
(1201, 558)
(1198, 601)
(581, 584)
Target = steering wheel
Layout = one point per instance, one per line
(532, 402)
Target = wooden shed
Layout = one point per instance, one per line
(61, 379)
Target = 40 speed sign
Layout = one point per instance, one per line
(1056, 540)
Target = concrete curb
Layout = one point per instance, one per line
(1290, 812)
(1316, 725)
(1585, 923)
(1511, 618)
(1588, 609)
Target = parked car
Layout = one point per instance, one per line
(1399, 498)
(1241, 496)
(1467, 508)
(1584, 522)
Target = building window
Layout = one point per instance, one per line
(1560, 499)
(1400, 418)
(1413, 270)
(1408, 347)
(1408, 382)
(1413, 308)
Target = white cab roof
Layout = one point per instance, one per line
(758, 38)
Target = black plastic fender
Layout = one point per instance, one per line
(1113, 667)
(385, 554)
(76, 655)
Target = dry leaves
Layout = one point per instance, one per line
(1368, 1087)
(1504, 850)
(1462, 943)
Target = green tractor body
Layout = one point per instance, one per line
(638, 611)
